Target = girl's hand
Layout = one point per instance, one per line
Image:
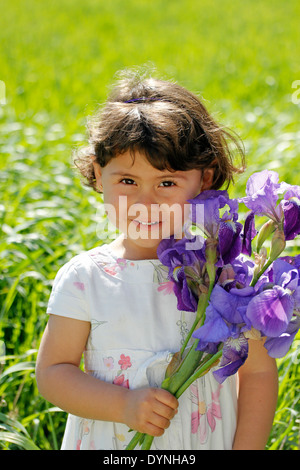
(149, 410)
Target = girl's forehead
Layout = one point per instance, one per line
(136, 165)
(135, 162)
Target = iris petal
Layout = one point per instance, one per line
(213, 331)
(291, 224)
(270, 311)
(278, 347)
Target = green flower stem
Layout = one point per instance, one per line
(203, 369)
(147, 442)
(172, 384)
(134, 441)
(185, 375)
(186, 368)
(278, 244)
(198, 373)
(255, 278)
(200, 315)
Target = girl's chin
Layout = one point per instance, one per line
(140, 249)
(142, 242)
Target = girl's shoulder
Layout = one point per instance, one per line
(102, 261)
(100, 258)
(125, 270)
(85, 261)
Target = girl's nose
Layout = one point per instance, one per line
(146, 197)
(147, 212)
(145, 206)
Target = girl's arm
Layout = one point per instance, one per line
(62, 383)
(258, 388)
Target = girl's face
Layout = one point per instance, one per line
(146, 204)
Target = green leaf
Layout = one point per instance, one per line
(13, 423)
(20, 367)
(19, 440)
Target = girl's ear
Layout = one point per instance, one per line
(207, 178)
(98, 176)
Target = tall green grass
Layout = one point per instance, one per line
(57, 61)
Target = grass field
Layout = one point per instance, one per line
(57, 60)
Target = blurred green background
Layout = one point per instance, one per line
(57, 61)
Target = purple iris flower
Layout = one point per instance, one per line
(292, 260)
(291, 211)
(187, 297)
(286, 274)
(225, 316)
(248, 234)
(271, 310)
(243, 268)
(172, 253)
(211, 201)
(225, 228)
(225, 323)
(185, 268)
(262, 191)
(286, 270)
(272, 306)
(235, 353)
(230, 241)
(279, 346)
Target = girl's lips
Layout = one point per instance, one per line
(147, 226)
(146, 222)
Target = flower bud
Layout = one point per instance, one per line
(264, 233)
(261, 258)
(173, 364)
(211, 250)
(277, 244)
(211, 257)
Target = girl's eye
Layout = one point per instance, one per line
(127, 181)
(167, 184)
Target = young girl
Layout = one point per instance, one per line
(153, 145)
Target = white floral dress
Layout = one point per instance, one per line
(135, 328)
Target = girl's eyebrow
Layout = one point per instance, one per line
(121, 173)
(128, 175)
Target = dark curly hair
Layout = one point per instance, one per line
(163, 121)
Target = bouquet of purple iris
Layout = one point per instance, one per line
(237, 292)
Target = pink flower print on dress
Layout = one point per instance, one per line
(121, 262)
(79, 285)
(92, 445)
(85, 426)
(166, 287)
(120, 380)
(205, 416)
(110, 270)
(78, 444)
(116, 267)
(84, 430)
(214, 409)
(124, 362)
(198, 420)
(108, 362)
